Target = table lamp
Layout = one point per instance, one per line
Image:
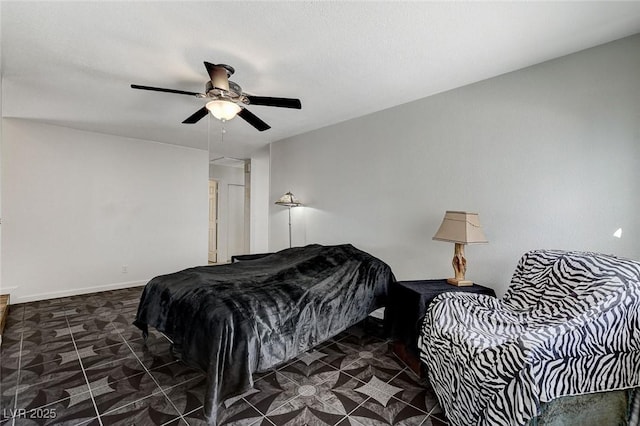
(460, 228)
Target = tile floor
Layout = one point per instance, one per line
(79, 361)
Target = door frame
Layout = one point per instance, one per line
(212, 255)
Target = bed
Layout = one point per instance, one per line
(236, 319)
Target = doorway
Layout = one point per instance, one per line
(232, 208)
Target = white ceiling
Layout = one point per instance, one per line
(71, 63)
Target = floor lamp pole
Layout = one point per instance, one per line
(289, 226)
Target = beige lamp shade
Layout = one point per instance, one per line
(288, 200)
(461, 227)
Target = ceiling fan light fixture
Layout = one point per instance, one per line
(223, 110)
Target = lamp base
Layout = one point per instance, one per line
(459, 283)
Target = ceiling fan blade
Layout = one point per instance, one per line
(197, 116)
(219, 75)
(160, 89)
(253, 119)
(275, 102)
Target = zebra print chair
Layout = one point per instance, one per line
(569, 324)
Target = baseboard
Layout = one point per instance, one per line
(8, 290)
(4, 312)
(74, 292)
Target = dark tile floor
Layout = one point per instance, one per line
(79, 361)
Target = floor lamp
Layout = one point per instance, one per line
(288, 200)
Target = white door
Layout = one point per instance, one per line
(213, 221)
(235, 236)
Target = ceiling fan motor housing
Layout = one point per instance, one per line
(235, 87)
(234, 92)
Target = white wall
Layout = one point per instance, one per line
(79, 206)
(260, 201)
(548, 156)
(1, 84)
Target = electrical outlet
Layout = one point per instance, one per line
(125, 269)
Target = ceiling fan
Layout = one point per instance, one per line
(225, 99)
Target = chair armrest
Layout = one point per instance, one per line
(582, 334)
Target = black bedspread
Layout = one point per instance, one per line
(232, 320)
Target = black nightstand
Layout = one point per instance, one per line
(408, 302)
